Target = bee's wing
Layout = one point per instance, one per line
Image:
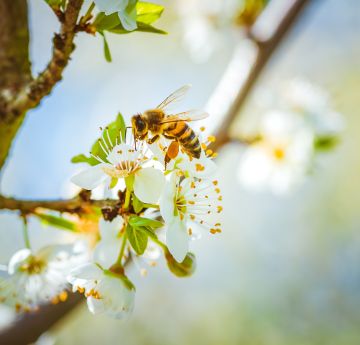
(174, 97)
(187, 116)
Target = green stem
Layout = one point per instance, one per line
(122, 250)
(127, 198)
(151, 206)
(158, 242)
(26, 233)
(87, 15)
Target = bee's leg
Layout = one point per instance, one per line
(171, 152)
(153, 139)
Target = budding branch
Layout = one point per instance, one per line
(20, 92)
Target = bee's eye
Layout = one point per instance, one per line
(140, 124)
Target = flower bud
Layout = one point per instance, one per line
(181, 269)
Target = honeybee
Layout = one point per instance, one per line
(172, 126)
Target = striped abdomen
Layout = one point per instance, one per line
(186, 137)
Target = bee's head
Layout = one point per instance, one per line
(140, 126)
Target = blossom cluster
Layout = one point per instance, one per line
(159, 207)
(297, 125)
(208, 24)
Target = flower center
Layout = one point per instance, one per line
(279, 153)
(180, 206)
(122, 169)
(33, 266)
(93, 293)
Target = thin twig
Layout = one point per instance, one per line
(249, 60)
(77, 205)
(63, 46)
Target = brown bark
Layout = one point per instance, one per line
(77, 205)
(15, 69)
(18, 91)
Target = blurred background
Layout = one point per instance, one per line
(286, 268)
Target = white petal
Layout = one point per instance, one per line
(90, 178)
(106, 252)
(95, 306)
(111, 6)
(128, 20)
(167, 206)
(117, 298)
(18, 259)
(149, 184)
(110, 229)
(177, 239)
(88, 271)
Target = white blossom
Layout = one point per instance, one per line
(203, 167)
(187, 203)
(122, 161)
(36, 278)
(281, 158)
(105, 291)
(314, 104)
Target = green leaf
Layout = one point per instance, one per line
(58, 222)
(137, 204)
(147, 12)
(142, 27)
(116, 131)
(181, 269)
(137, 238)
(325, 143)
(136, 221)
(104, 22)
(81, 158)
(148, 230)
(107, 52)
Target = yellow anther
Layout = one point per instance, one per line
(199, 167)
(209, 152)
(63, 296)
(211, 138)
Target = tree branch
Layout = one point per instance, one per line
(227, 100)
(78, 205)
(31, 95)
(15, 69)
(248, 62)
(18, 91)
